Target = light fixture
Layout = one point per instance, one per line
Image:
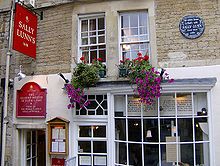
(62, 76)
(20, 74)
(149, 135)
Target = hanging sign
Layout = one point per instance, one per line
(191, 27)
(25, 31)
(31, 101)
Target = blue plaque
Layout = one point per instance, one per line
(191, 27)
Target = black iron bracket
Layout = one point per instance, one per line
(29, 8)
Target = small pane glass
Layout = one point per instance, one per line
(85, 34)
(143, 30)
(186, 154)
(84, 146)
(33, 161)
(85, 160)
(135, 154)
(119, 105)
(101, 39)
(121, 153)
(99, 147)
(201, 129)
(185, 130)
(84, 131)
(124, 21)
(84, 25)
(28, 162)
(33, 150)
(134, 31)
(143, 19)
(167, 128)
(29, 137)
(92, 40)
(134, 130)
(167, 158)
(167, 104)
(101, 23)
(93, 33)
(120, 129)
(33, 136)
(150, 130)
(125, 32)
(92, 24)
(28, 151)
(134, 20)
(200, 104)
(102, 54)
(184, 104)
(134, 106)
(84, 41)
(151, 155)
(99, 131)
(202, 154)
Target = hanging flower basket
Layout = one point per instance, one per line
(147, 79)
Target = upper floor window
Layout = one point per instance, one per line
(134, 34)
(92, 42)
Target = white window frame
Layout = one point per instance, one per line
(88, 17)
(147, 41)
(193, 142)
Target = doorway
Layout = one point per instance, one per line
(34, 148)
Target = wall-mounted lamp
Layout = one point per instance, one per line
(62, 76)
(20, 74)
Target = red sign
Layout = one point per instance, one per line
(58, 162)
(31, 101)
(25, 31)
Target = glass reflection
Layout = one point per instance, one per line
(135, 154)
(134, 130)
(151, 155)
(202, 154)
(121, 153)
(185, 130)
(120, 129)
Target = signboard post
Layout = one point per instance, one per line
(31, 101)
(25, 31)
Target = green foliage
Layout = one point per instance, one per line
(85, 75)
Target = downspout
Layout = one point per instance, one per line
(5, 102)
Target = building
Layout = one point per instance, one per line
(116, 129)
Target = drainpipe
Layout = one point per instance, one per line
(5, 102)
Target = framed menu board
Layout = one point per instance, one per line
(58, 136)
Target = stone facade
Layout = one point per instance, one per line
(57, 40)
(175, 50)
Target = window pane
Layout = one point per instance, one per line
(33, 161)
(119, 105)
(101, 39)
(201, 129)
(186, 154)
(200, 104)
(135, 154)
(92, 40)
(134, 106)
(134, 20)
(28, 151)
(92, 24)
(151, 155)
(143, 19)
(102, 54)
(84, 41)
(120, 129)
(84, 146)
(169, 154)
(84, 25)
(167, 105)
(28, 162)
(121, 153)
(184, 104)
(101, 23)
(99, 147)
(150, 130)
(28, 137)
(134, 31)
(185, 130)
(167, 128)
(33, 136)
(124, 21)
(33, 150)
(202, 154)
(134, 130)
(99, 131)
(85, 131)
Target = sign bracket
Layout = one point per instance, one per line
(29, 8)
